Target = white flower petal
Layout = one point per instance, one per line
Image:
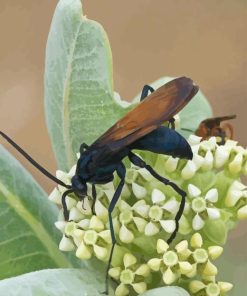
(194, 140)
(140, 223)
(171, 164)
(232, 197)
(208, 161)
(125, 235)
(139, 191)
(213, 213)
(168, 225)
(212, 195)
(151, 229)
(209, 144)
(171, 206)
(55, 196)
(60, 225)
(123, 205)
(198, 160)
(66, 244)
(242, 213)
(189, 170)
(101, 211)
(145, 174)
(75, 215)
(236, 165)
(157, 196)
(221, 156)
(193, 191)
(197, 222)
(141, 208)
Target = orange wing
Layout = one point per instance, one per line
(158, 107)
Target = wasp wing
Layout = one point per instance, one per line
(215, 121)
(158, 107)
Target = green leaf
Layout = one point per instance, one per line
(167, 291)
(79, 100)
(215, 231)
(192, 114)
(28, 240)
(55, 282)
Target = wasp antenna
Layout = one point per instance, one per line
(187, 130)
(33, 162)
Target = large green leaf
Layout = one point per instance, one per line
(79, 97)
(28, 240)
(166, 291)
(55, 282)
(192, 114)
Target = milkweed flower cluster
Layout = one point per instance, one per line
(144, 219)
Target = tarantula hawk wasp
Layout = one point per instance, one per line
(142, 129)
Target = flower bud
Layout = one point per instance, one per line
(151, 229)
(214, 252)
(154, 264)
(125, 235)
(212, 289)
(100, 252)
(221, 156)
(212, 195)
(143, 270)
(75, 215)
(129, 260)
(122, 290)
(194, 140)
(171, 164)
(235, 166)
(208, 161)
(139, 191)
(162, 246)
(96, 224)
(157, 196)
(66, 244)
(193, 191)
(169, 276)
(115, 273)
(83, 252)
(55, 196)
(140, 287)
(196, 286)
(225, 286)
(242, 213)
(210, 269)
(168, 225)
(196, 240)
(189, 170)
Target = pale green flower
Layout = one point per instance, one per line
(130, 275)
(202, 205)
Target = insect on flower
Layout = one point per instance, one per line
(141, 129)
(211, 127)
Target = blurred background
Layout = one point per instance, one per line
(149, 39)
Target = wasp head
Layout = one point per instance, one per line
(79, 186)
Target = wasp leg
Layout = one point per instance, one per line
(83, 147)
(171, 123)
(139, 162)
(94, 195)
(121, 173)
(145, 90)
(65, 209)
